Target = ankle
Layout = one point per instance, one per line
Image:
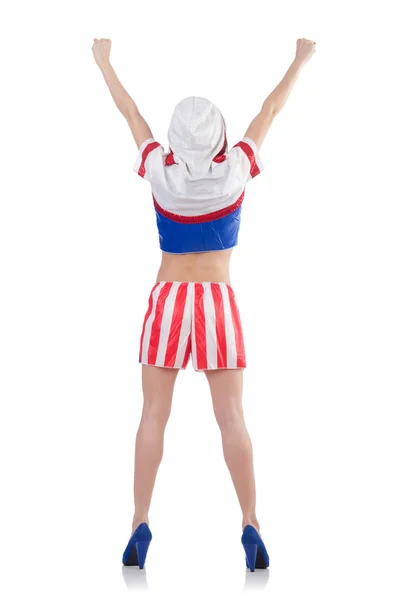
(138, 519)
(249, 520)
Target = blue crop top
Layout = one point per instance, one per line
(199, 215)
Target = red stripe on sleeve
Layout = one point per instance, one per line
(220, 326)
(149, 310)
(200, 326)
(149, 148)
(246, 148)
(176, 324)
(238, 331)
(156, 325)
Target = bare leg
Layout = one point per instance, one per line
(158, 386)
(226, 387)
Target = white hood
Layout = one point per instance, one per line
(197, 133)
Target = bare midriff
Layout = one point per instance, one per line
(197, 266)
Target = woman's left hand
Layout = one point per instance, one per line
(101, 51)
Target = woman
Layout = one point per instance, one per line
(197, 188)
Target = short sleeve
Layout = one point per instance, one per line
(245, 160)
(149, 162)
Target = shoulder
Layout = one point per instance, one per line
(245, 159)
(150, 160)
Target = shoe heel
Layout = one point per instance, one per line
(141, 550)
(250, 553)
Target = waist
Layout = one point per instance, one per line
(198, 266)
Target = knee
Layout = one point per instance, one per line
(155, 411)
(229, 418)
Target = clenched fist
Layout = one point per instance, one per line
(101, 51)
(305, 49)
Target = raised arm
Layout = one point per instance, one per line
(275, 101)
(140, 129)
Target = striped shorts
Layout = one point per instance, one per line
(201, 319)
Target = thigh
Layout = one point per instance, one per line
(226, 386)
(158, 388)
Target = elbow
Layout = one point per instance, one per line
(269, 109)
(131, 114)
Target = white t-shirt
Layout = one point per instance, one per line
(179, 191)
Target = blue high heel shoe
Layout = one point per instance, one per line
(137, 547)
(256, 556)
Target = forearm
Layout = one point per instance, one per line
(123, 100)
(279, 95)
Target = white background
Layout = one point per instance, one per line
(314, 275)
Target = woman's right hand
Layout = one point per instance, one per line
(304, 50)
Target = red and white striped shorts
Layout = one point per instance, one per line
(201, 319)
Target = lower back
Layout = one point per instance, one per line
(197, 266)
